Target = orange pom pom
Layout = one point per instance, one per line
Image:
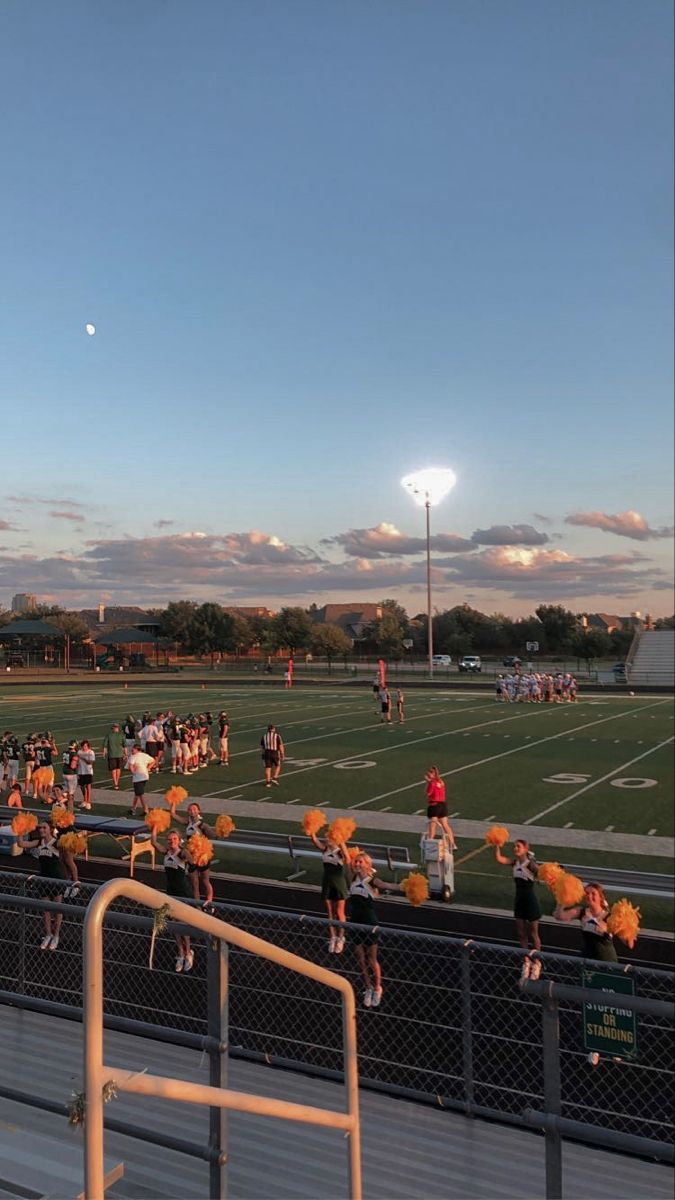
(497, 835)
(569, 890)
(41, 777)
(549, 873)
(313, 821)
(158, 819)
(416, 888)
(175, 795)
(353, 853)
(341, 830)
(624, 922)
(23, 823)
(224, 826)
(200, 849)
(62, 818)
(73, 843)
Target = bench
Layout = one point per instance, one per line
(297, 846)
(120, 829)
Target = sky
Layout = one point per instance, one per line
(325, 243)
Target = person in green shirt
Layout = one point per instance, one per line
(115, 752)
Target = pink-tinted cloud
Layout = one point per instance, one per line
(7, 528)
(385, 539)
(628, 524)
(66, 516)
(510, 535)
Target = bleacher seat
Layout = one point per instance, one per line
(653, 661)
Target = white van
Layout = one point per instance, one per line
(441, 660)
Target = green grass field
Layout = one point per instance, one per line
(601, 764)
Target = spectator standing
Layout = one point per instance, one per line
(114, 751)
(224, 738)
(140, 764)
(86, 757)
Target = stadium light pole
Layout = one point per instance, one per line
(428, 488)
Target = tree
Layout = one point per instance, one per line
(177, 620)
(211, 631)
(592, 644)
(242, 633)
(292, 629)
(72, 625)
(329, 641)
(560, 625)
(665, 623)
(621, 640)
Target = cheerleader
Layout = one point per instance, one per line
(334, 888)
(43, 845)
(14, 799)
(526, 910)
(592, 913)
(200, 877)
(361, 911)
(437, 808)
(177, 862)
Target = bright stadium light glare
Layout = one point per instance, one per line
(429, 486)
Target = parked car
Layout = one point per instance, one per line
(15, 660)
(472, 663)
(441, 660)
(619, 672)
(511, 660)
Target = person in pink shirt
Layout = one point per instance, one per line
(437, 808)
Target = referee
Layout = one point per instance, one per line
(272, 755)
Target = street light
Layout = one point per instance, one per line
(426, 488)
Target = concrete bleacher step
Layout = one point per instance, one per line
(44, 1168)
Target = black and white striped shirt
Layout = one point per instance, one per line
(271, 740)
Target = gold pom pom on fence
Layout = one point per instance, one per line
(158, 820)
(313, 821)
(497, 835)
(416, 888)
(224, 826)
(200, 849)
(624, 922)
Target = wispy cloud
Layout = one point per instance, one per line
(384, 539)
(510, 535)
(628, 524)
(66, 516)
(6, 527)
(162, 524)
(58, 502)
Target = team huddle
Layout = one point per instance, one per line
(139, 744)
(533, 688)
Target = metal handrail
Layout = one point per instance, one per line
(97, 1074)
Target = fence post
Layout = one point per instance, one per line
(467, 1027)
(551, 1054)
(217, 1020)
(21, 973)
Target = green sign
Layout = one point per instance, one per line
(608, 1029)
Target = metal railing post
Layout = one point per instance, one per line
(467, 1028)
(21, 973)
(217, 1018)
(92, 995)
(349, 1044)
(551, 1055)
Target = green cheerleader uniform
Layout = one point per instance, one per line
(49, 863)
(175, 869)
(526, 907)
(334, 885)
(361, 910)
(597, 943)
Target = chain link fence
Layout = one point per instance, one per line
(454, 1027)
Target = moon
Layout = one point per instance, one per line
(90, 329)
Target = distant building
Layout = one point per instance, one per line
(24, 602)
(352, 619)
(606, 622)
(242, 611)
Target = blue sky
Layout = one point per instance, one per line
(325, 242)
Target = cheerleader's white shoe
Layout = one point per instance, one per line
(339, 945)
(188, 961)
(53, 942)
(44, 944)
(376, 998)
(180, 963)
(368, 998)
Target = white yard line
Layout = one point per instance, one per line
(596, 782)
(505, 753)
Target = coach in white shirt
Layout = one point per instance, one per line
(140, 764)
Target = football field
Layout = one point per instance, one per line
(602, 764)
